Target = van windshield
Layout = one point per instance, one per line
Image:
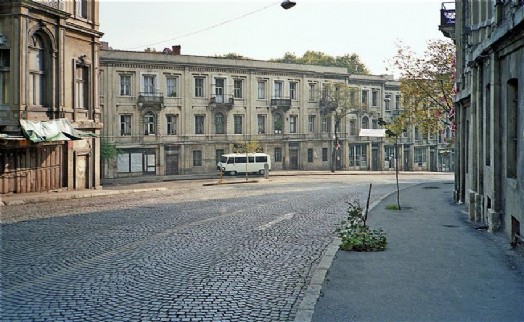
(223, 159)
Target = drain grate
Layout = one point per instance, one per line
(450, 226)
(431, 187)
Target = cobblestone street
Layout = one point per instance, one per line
(241, 252)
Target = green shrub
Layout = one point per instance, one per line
(356, 235)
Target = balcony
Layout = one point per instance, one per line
(326, 106)
(222, 101)
(279, 103)
(154, 100)
(57, 4)
(447, 19)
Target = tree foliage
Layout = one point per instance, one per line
(426, 85)
(247, 147)
(233, 56)
(351, 62)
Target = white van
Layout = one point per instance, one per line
(234, 163)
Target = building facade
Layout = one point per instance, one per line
(168, 114)
(49, 114)
(489, 104)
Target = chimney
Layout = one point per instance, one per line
(176, 49)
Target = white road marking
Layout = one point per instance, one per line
(276, 221)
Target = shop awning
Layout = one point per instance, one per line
(53, 130)
(378, 133)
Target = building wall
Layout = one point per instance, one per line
(298, 145)
(66, 38)
(490, 117)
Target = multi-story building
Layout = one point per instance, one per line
(489, 104)
(168, 114)
(49, 114)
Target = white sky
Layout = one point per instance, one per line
(263, 30)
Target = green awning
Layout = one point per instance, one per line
(53, 130)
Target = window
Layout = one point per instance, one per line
(293, 124)
(37, 71)
(420, 157)
(365, 122)
(374, 98)
(218, 155)
(197, 158)
(293, 87)
(374, 124)
(357, 155)
(512, 128)
(237, 119)
(278, 154)
(365, 94)
(312, 92)
(125, 124)
(4, 76)
(82, 95)
(261, 120)
(149, 84)
(237, 88)
(199, 87)
(81, 8)
(171, 87)
(199, 124)
(219, 123)
(311, 123)
(172, 121)
(278, 90)
(125, 85)
(352, 127)
(387, 102)
(397, 102)
(309, 155)
(324, 154)
(325, 124)
(278, 123)
(417, 134)
(220, 84)
(149, 123)
(261, 89)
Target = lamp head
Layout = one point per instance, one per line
(286, 4)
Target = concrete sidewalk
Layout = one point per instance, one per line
(437, 267)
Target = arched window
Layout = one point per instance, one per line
(365, 122)
(149, 123)
(38, 78)
(278, 123)
(219, 123)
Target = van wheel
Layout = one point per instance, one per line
(261, 172)
(232, 173)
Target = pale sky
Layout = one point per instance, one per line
(263, 30)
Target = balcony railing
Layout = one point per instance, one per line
(57, 4)
(281, 102)
(447, 19)
(151, 99)
(226, 101)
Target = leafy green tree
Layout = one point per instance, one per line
(351, 62)
(233, 56)
(338, 100)
(426, 84)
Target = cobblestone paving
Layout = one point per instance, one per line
(220, 253)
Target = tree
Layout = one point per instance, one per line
(351, 62)
(427, 86)
(233, 56)
(339, 100)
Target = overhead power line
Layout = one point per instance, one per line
(206, 28)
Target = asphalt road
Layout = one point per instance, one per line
(241, 252)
